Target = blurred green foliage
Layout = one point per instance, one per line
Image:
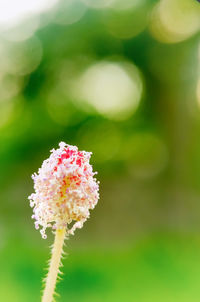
(120, 79)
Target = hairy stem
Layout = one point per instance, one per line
(54, 266)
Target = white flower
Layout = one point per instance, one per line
(65, 190)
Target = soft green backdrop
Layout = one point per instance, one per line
(119, 78)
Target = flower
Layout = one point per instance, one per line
(65, 190)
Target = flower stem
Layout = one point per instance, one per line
(54, 266)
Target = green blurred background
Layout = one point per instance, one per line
(120, 78)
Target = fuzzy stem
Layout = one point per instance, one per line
(54, 266)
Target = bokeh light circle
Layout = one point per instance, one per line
(21, 58)
(126, 23)
(173, 21)
(69, 12)
(113, 89)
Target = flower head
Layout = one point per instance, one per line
(65, 190)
